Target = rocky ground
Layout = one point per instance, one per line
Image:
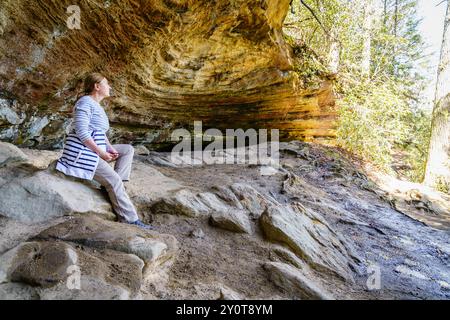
(320, 226)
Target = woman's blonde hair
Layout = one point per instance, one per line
(89, 85)
(91, 80)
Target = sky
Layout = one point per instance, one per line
(431, 29)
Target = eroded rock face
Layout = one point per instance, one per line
(34, 196)
(143, 193)
(10, 154)
(169, 61)
(154, 249)
(33, 191)
(310, 237)
(49, 265)
(84, 258)
(183, 202)
(292, 280)
(305, 229)
(17, 291)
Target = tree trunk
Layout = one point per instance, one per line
(394, 60)
(395, 18)
(385, 13)
(334, 53)
(367, 38)
(334, 50)
(438, 163)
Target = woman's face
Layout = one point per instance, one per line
(103, 88)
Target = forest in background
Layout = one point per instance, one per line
(374, 48)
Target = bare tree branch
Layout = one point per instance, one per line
(316, 17)
(327, 32)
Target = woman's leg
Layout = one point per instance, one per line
(111, 180)
(124, 161)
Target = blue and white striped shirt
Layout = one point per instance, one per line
(88, 115)
(90, 121)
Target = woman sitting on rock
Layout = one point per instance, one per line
(87, 150)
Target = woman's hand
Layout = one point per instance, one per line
(90, 143)
(110, 154)
(113, 152)
(106, 156)
(114, 155)
(111, 149)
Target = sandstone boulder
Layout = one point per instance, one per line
(148, 185)
(34, 196)
(53, 267)
(85, 257)
(10, 154)
(183, 202)
(224, 216)
(310, 237)
(227, 195)
(251, 199)
(293, 281)
(153, 248)
(232, 220)
(17, 291)
(228, 293)
(41, 159)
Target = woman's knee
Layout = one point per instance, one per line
(125, 148)
(130, 149)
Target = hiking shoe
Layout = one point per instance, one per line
(139, 223)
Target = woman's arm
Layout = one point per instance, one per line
(111, 149)
(82, 117)
(90, 143)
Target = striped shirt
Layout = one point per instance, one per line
(90, 121)
(88, 115)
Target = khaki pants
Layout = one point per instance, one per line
(112, 179)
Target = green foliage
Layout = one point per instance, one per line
(380, 115)
(366, 126)
(442, 185)
(416, 143)
(376, 123)
(308, 65)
